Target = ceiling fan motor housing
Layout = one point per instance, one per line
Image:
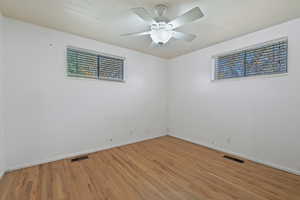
(161, 26)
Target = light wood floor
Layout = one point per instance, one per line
(165, 168)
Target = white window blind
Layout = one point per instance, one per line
(267, 59)
(111, 68)
(84, 64)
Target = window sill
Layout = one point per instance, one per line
(93, 79)
(251, 77)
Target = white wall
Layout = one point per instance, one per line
(257, 118)
(2, 154)
(49, 116)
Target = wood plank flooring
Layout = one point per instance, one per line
(165, 168)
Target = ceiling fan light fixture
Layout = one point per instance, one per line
(161, 28)
(161, 36)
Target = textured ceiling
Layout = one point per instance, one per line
(105, 20)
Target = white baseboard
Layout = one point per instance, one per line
(241, 155)
(64, 156)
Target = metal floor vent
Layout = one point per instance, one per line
(79, 158)
(234, 159)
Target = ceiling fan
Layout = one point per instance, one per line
(161, 30)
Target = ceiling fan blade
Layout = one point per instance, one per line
(137, 33)
(183, 36)
(187, 17)
(144, 14)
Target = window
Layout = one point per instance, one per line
(271, 58)
(84, 64)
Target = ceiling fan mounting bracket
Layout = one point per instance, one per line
(160, 9)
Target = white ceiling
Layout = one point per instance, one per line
(105, 20)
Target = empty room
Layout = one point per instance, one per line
(149, 100)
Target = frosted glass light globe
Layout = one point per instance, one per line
(161, 36)
(161, 32)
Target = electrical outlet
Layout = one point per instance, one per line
(228, 140)
(131, 132)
